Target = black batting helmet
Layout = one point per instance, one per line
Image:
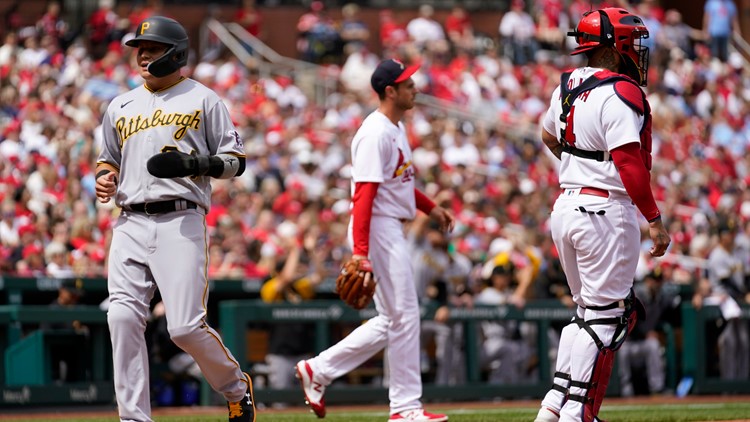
(167, 31)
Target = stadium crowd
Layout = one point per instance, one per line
(490, 169)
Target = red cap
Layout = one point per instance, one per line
(31, 249)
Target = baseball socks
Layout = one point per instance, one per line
(243, 410)
(312, 388)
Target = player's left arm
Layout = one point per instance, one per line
(552, 143)
(548, 127)
(442, 216)
(626, 155)
(226, 157)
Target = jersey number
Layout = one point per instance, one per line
(570, 136)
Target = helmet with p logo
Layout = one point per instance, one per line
(166, 31)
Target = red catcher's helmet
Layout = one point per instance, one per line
(618, 28)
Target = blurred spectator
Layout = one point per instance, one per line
(31, 263)
(58, 260)
(548, 35)
(720, 23)
(392, 32)
(459, 28)
(502, 352)
(725, 287)
(441, 277)
(677, 34)
(9, 49)
(425, 31)
(359, 64)
(517, 30)
(353, 30)
(12, 19)
(52, 24)
(293, 281)
(67, 362)
(100, 27)
(250, 18)
(318, 40)
(645, 344)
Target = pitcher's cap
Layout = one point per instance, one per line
(390, 72)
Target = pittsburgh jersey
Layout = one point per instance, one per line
(141, 123)
(381, 154)
(601, 122)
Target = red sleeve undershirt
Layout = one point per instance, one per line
(424, 203)
(364, 194)
(636, 179)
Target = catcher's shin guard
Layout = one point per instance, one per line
(596, 387)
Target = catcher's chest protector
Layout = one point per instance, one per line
(626, 89)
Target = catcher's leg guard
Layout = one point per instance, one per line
(596, 388)
(558, 394)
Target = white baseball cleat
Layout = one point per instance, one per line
(417, 415)
(313, 389)
(547, 415)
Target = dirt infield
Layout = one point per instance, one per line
(107, 412)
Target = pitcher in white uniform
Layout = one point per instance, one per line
(160, 237)
(599, 126)
(383, 198)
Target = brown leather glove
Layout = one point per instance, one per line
(356, 283)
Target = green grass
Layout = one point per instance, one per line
(621, 413)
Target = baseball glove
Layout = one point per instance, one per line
(356, 283)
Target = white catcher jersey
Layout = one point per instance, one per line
(381, 154)
(141, 123)
(601, 122)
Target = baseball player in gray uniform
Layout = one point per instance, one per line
(383, 198)
(599, 126)
(163, 141)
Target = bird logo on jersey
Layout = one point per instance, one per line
(403, 169)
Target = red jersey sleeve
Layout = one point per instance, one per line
(424, 203)
(364, 195)
(636, 179)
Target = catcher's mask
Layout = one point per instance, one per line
(167, 31)
(617, 28)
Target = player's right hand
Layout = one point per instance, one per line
(660, 237)
(106, 187)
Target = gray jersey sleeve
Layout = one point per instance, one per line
(221, 133)
(110, 151)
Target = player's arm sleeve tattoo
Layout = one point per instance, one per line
(552, 143)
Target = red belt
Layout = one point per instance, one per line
(595, 191)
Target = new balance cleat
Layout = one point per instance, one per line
(312, 388)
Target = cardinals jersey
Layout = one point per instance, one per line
(601, 121)
(381, 154)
